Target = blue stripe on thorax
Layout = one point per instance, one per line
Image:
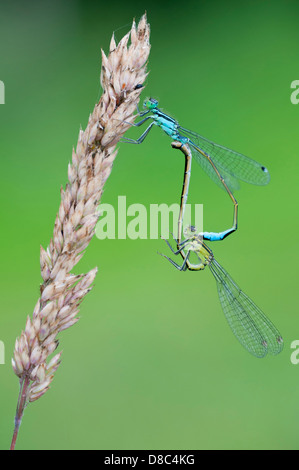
(167, 124)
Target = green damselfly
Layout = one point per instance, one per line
(249, 324)
(224, 166)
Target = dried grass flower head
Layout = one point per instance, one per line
(61, 293)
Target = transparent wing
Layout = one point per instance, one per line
(249, 324)
(231, 181)
(233, 163)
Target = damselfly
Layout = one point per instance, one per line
(224, 166)
(249, 324)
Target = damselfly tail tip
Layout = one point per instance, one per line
(176, 145)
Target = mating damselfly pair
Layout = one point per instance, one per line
(226, 168)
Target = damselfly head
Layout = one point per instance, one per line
(150, 103)
(190, 231)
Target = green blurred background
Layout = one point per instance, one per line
(152, 363)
